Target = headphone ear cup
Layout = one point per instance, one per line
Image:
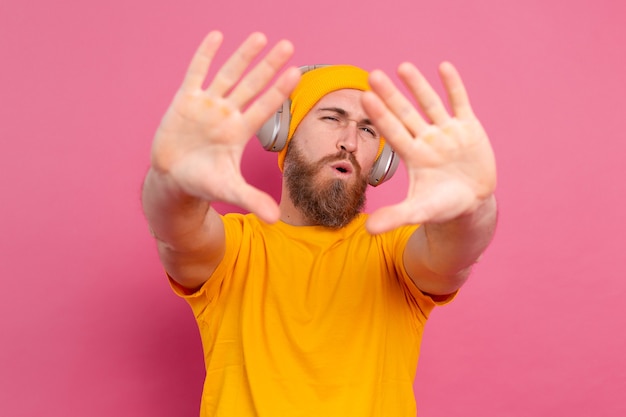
(384, 167)
(273, 133)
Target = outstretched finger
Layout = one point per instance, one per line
(426, 96)
(230, 73)
(201, 61)
(391, 127)
(397, 102)
(261, 109)
(457, 94)
(258, 78)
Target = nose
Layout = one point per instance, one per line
(349, 138)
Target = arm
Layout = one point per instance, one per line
(452, 176)
(439, 256)
(197, 149)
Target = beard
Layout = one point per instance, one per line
(330, 202)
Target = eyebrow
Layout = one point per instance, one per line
(344, 113)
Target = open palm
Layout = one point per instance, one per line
(448, 157)
(204, 132)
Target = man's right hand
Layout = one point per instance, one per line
(202, 136)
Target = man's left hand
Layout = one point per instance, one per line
(447, 155)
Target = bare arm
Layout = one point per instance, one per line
(189, 233)
(197, 149)
(439, 256)
(452, 176)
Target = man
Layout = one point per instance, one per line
(309, 307)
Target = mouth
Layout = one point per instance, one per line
(342, 168)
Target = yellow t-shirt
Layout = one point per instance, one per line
(309, 321)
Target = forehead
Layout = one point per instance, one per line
(347, 99)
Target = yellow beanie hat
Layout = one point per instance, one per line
(314, 85)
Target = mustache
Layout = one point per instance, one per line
(341, 156)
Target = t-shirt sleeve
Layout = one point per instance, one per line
(200, 298)
(426, 302)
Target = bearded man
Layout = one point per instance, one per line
(311, 307)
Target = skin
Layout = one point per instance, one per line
(197, 151)
(317, 136)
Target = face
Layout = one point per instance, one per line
(329, 158)
(338, 122)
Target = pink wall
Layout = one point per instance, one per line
(88, 325)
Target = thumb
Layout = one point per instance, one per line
(259, 203)
(388, 218)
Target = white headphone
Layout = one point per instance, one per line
(273, 137)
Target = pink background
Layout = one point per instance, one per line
(88, 325)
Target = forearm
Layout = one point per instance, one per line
(452, 247)
(176, 219)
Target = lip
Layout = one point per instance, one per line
(342, 168)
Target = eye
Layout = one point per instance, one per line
(330, 118)
(371, 132)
